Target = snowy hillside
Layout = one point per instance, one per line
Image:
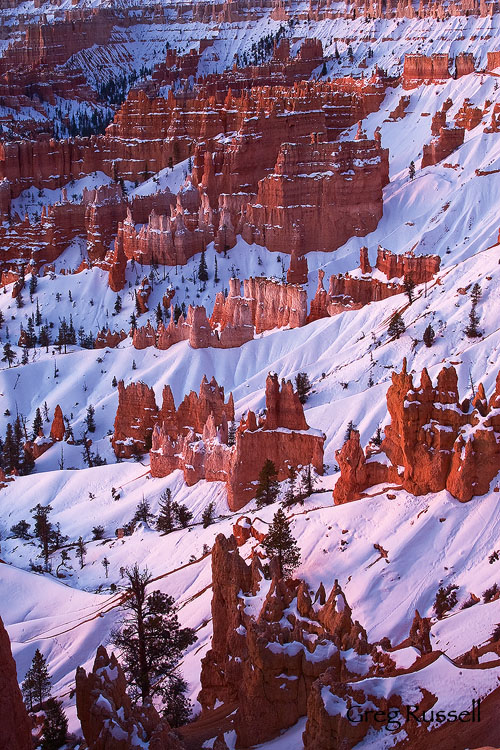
(449, 209)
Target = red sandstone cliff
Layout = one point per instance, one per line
(15, 725)
(440, 443)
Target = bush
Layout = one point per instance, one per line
(446, 599)
(469, 603)
(490, 593)
(97, 533)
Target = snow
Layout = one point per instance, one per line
(451, 212)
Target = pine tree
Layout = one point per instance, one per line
(151, 639)
(280, 544)
(89, 418)
(81, 551)
(97, 533)
(10, 451)
(291, 496)
(55, 726)
(114, 382)
(118, 304)
(409, 287)
(216, 272)
(37, 423)
(37, 682)
(183, 515)
(105, 565)
(396, 326)
(472, 330)
(38, 315)
(207, 517)
(19, 300)
(20, 530)
(268, 487)
(44, 531)
(159, 314)
(8, 354)
(133, 322)
(143, 513)
(303, 386)
(44, 337)
(30, 333)
(167, 516)
(411, 170)
(350, 427)
(202, 268)
(429, 336)
(308, 480)
(33, 285)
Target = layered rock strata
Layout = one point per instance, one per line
(433, 441)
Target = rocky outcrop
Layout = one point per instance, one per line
(15, 725)
(297, 271)
(420, 69)
(109, 719)
(136, 416)
(334, 191)
(107, 339)
(196, 440)
(57, 429)
(351, 291)
(433, 442)
(448, 140)
(271, 640)
(105, 206)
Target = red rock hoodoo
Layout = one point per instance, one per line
(283, 436)
(432, 442)
(15, 725)
(109, 719)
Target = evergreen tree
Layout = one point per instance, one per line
(183, 515)
(19, 299)
(43, 528)
(81, 551)
(216, 272)
(63, 336)
(151, 639)
(281, 545)
(291, 496)
(8, 354)
(167, 516)
(33, 286)
(308, 480)
(55, 727)
(133, 322)
(37, 682)
(89, 418)
(2, 319)
(350, 427)
(207, 517)
(114, 382)
(159, 314)
(20, 530)
(472, 330)
(143, 513)
(97, 533)
(37, 423)
(38, 315)
(303, 386)
(10, 451)
(202, 268)
(30, 333)
(44, 337)
(396, 325)
(105, 565)
(118, 304)
(411, 170)
(409, 287)
(429, 336)
(268, 487)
